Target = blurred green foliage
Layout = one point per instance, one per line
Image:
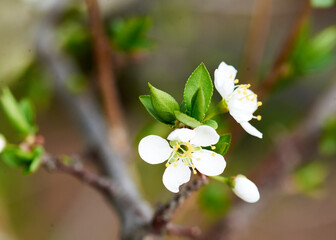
(130, 35)
(327, 145)
(214, 199)
(322, 3)
(310, 177)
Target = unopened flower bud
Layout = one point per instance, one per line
(245, 189)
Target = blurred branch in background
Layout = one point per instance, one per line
(86, 113)
(106, 79)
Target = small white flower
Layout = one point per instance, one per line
(245, 189)
(186, 152)
(2, 142)
(240, 100)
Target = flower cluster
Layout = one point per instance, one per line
(194, 145)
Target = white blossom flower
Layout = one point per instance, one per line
(241, 101)
(245, 189)
(184, 152)
(2, 142)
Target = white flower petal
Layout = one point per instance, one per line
(224, 79)
(204, 136)
(208, 162)
(246, 189)
(174, 177)
(242, 103)
(251, 130)
(181, 134)
(154, 149)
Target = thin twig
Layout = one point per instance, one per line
(106, 78)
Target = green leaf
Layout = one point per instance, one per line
(200, 78)
(223, 144)
(211, 123)
(14, 113)
(197, 105)
(322, 3)
(164, 104)
(187, 120)
(147, 102)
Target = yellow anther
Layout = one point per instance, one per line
(175, 165)
(244, 92)
(236, 81)
(252, 99)
(198, 159)
(201, 151)
(175, 159)
(167, 164)
(193, 166)
(255, 95)
(185, 163)
(194, 171)
(213, 147)
(239, 91)
(258, 117)
(213, 154)
(248, 85)
(231, 76)
(259, 104)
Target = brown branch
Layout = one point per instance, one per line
(106, 78)
(164, 213)
(279, 66)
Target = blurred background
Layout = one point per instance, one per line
(162, 42)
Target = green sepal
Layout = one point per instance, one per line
(223, 144)
(211, 123)
(197, 105)
(187, 120)
(164, 104)
(200, 78)
(147, 102)
(35, 162)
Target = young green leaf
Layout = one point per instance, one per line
(187, 120)
(14, 113)
(223, 144)
(147, 102)
(211, 123)
(13, 156)
(164, 104)
(200, 78)
(197, 105)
